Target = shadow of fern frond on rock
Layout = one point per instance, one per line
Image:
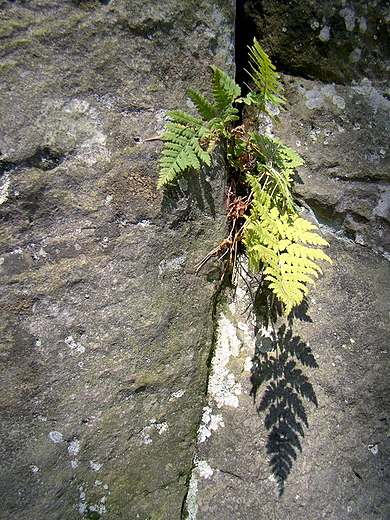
(283, 399)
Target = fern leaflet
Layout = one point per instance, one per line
(189, 139)
(275, 240)
(206, 109)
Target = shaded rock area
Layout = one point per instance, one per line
(338, 41)
(105, 330)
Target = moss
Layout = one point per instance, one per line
(7, 65)
(8, 25)
(54, 278)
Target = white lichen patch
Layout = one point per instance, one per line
(174, 263)
(362, 24)
(248, 364)
(349, 17)
(204, 469)
(377, 101)
(316, 97)
(94, 465)
(324, 35)
(162, 428)
(222, 385)
(55, 436)
(210, 423)
(74, 125)
(355, 55)
(177, 395)
(74, 447)
(84, 507)
(74, 345)
(162, 119)
(373, 448)
(143, 223)
(191, 503)
(146, 431)
(4, 187)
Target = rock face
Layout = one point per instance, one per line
(105, 328)
(342, 134)
(303, 431)
(335, 41)
(338, 120)
(329, 399)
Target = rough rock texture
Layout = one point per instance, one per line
(334, 384)
(339, 120)
(327, 392)
(105, 330)
(335, 41)
(342, 133)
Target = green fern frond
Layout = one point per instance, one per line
(278, 240)
(181, 152)
(303, 252)
(178, 116)
(274, 165)
(206, 109)
(189, 140)
(265, 77)
(225, 89)
(290, 158)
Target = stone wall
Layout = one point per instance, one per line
(107, 332)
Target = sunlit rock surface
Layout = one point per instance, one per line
(303, 432)
(105, 330)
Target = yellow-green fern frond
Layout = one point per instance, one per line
(275, 239)
(265, 77)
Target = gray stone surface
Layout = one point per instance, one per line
(335, 41)
(334, 386)
(342, 133)
(105, 330)
(326, 389)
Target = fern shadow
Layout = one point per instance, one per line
(181, 195)
(283, 399)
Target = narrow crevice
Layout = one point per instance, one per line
(217, 297)
(245, 31)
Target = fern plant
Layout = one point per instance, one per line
(189, 140)
(261, 211)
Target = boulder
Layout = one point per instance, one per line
(302, 430)
(106, 330)
(312, 442)
(342, 134)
